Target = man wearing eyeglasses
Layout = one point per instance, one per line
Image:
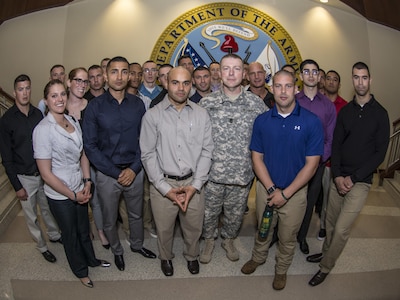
(149, 87)
(310, 98)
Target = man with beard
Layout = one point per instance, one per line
(202, 82)
(177, 146)
(111, 140)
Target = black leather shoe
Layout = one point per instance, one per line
(167, 267)
(119, 262)
(315, 258)
(57, 241)
(49, 256)
(318, 278)
(304, 247)
(104, 263)
(193, 266)
(145, 252)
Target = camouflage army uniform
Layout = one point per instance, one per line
(231, 171)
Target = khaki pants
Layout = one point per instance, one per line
(341, 213)
(34, 188)
(290, 217)
(191, 222)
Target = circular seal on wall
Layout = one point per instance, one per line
(208, 32)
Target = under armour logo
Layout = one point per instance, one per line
(297, 127)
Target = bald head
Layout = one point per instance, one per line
(179, 85)
(256, 75)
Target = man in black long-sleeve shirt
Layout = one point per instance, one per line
(359, 146)
(16, 127)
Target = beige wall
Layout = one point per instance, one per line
(83, 32)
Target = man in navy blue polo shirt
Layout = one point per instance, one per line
(286, 146)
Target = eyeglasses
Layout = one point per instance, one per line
(308, 72)
(150, 70)
(81, 81)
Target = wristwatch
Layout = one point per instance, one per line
(271, 190)
(86, 180)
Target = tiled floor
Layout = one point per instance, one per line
(369, 267)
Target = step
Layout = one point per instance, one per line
(392, 186)
(9, 208)
(5, 186)
(397, 175)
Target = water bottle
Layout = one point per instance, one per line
(265, 223)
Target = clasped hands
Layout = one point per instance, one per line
(126, 177)
(275, 199)
(343, 184)
(181, 196)
(84, 195)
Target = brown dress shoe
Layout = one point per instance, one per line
(279, 282)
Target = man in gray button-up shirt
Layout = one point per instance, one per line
(176, 146)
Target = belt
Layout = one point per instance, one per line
(179, 178)
(123, 166)
(32, 174)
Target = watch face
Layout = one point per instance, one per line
(271, 190)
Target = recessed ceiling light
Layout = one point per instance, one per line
(324, 1)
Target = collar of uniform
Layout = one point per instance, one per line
(165, 103)
(240, 99)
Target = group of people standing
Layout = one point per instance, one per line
(171, 158)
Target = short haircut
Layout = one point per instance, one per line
(213, 63)
(333, 71)
(56, 66)
(232, 55)
(148, 61)
(201, 68)
(21, 78)
(165, 66)
(280, 72)
(289, 66)
(94, 67)
(117, 59)
(360, 65)
(183, 57)
(308, 62)
(135, 64)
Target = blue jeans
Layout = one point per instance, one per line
(73, 220)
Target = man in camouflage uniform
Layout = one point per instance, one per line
(232, 111)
